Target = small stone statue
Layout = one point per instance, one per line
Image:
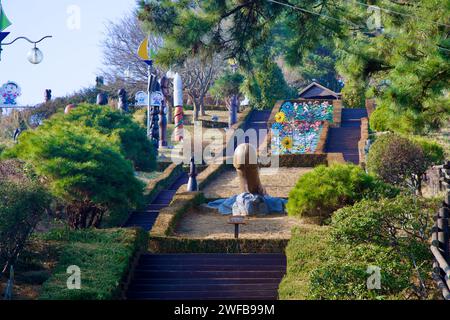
(48, 95)
(17, 134)
(123, 100)
(99, 82)
(192, 183)
(102, 99)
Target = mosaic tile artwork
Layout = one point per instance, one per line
(298, 127)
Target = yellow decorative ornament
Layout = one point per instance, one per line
(287, 143)
(280, 117)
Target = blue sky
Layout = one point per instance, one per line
(72, 58)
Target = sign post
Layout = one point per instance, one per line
(237, 221)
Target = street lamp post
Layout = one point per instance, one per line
(35, 55)
(234, 100)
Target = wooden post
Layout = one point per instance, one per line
(236, 220)
(162, 125)
(442, 226)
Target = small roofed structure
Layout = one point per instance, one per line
(319, 92)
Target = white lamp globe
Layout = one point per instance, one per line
(35, 56)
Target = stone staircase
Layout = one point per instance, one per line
(258, 120)
(345, 139)
(195, 276)
(145, 219)
(207, 277)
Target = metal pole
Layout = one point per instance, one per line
(149, 69)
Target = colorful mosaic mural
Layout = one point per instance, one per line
(298, 126)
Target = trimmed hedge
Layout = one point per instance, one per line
(105, 258)
(300, 160)
(184, 245)
(168, 217)
(210, 173)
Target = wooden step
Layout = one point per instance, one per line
(169, 274)
(205, 295)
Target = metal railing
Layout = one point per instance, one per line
(440, 246)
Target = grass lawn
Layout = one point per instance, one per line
(103, 256)
(304, 254)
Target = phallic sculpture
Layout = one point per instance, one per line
(245, 162)
(253, 199)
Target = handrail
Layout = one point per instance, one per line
(441, 237)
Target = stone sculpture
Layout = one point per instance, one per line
(102, 99)
(245, 162)
(253, 199)
(192, 185)
(48, 95)
(123, 100)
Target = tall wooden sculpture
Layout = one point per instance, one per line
(164, 83)
(178, 104)
(154, 118)
(165, 89)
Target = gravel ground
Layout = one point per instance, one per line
(206, 223)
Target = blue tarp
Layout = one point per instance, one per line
(244, 201)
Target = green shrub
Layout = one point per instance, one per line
(266, 85)
(401, 221)
(402, 161)
(227, 86)
(433, 151)
(344, 272)
(380, 119)
(103, 256)
(132, 138)
(84, 169)
(326, 189)
(304, 254)
(22, 203)
(333, 262)
(391, 234)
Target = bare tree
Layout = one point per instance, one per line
(198, 76)
(122, 67)
(122, 39)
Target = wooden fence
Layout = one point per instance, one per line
(440, 245)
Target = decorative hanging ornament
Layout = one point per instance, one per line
(145, 52)
(4, 21)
